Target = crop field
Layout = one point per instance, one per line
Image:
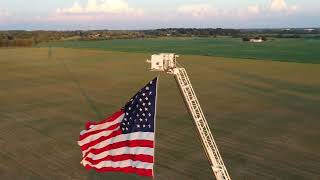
(264, 114)
(303, 50)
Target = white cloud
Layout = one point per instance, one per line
(119, 13)
(104, 13)
(198, 10)
(76, 8)
(278, 5)
(101, 6)
(254, 9)
(282, 6)
(294, 8)
(273, 8)
(92, 6)
(4, 13)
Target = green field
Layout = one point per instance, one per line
(303, 50)
(264, 114)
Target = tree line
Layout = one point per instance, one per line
(203, 32)
(31, 38)
(16, 43)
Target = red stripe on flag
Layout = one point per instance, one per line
(131, 143)
(133, 157)
(141, 172)
(99, 140)
(97, 131)
(109, 119)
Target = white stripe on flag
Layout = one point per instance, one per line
(96, 136)
(121, 164)
(123, 137)
(104, 125)
(123, 150)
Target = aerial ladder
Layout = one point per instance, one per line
(167, 62)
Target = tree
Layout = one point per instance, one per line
(245, 39)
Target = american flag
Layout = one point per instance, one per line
(124, 142)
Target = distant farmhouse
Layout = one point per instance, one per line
(309, 30)
(95, 35)
(254, 40)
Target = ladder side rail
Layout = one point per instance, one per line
(206, 126)
(178, 80)
(193, 113)
(217, 167)
(208, 135)
(204, 131)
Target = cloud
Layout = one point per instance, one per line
(282, 6)
(272, 9)
(198, 10)
(101, 7)
(253, 9)
(119, 14)
(278, 5)
(76, 8)
(206, 11)
(95, 12)
(294, 8)
(4, 15)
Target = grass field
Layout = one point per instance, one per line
(264, 114)
(304, 50)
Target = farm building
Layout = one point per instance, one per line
(256, 40)
(309, 30)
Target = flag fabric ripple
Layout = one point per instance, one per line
(125, 141)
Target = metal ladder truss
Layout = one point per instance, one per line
(200, 122)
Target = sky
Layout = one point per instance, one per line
(147, 14)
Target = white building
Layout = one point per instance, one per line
(260, 40)
(309, 30)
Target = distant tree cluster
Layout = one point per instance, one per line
(246, 39)
(281, 33)
(206, 32)
(16, 43)
(109, 35)
(288, 36)
(275, 31)
(30, 38)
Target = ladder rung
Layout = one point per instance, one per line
(199, 118)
